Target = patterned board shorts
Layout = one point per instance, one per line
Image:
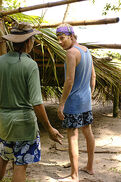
(21, 152)
(77, 120)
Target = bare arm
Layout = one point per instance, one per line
(70, 74)
(93, 79)
(43, 118)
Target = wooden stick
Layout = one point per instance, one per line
(85, 151)
(106, 46)
(39, 6)
(84, 22)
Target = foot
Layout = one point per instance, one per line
(88, 171)
(69, 179)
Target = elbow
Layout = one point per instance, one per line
(94, 77)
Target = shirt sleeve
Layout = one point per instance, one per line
(34, 87)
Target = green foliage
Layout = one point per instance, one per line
(51, 92)
(112, 7)
(6, 180)
(93, 1)
(114, 55)
(12, 4)
(34, 20)
(108, 74)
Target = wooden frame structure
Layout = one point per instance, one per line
(94, 22)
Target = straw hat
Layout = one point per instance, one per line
(20, 32)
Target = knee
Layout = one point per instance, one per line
(85, 129)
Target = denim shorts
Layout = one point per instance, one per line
(77, 120)
(21, 152)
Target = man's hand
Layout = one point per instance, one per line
(60, 111)
(55, 135)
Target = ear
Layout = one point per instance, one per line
(71, 36)
(28, 41)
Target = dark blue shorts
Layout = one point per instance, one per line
(21, 152)
(77, 120)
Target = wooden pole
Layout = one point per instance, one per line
(39, 6)
(116, 102)
(66, 12)
(3, 48)
(84, 22)
(105, 46)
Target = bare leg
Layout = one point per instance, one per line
(87, 131)
(3, 164)
(73, 154)
(19, 173)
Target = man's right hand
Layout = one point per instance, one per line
(55, 135)
(60, 111)
(42, 116)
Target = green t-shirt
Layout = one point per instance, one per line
(19, 91)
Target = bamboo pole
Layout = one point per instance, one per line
(84, 22)
(39, 6)
(66, 12)
(105, 46)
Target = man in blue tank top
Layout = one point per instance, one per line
(75, 103)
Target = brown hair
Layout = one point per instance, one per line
(20, 47)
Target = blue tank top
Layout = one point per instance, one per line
(79, 99)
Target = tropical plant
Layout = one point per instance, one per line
(112, 6)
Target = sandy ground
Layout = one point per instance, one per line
(55, 161)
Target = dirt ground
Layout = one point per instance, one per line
(55, 161)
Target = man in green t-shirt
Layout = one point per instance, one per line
(21, 104)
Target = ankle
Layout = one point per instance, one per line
(75, 176)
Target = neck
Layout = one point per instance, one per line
(73, 43)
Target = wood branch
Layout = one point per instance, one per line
(105, 46)
(39, 6)
(66, 12)
(84, 22)
(85, 151)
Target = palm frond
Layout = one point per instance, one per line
(49, 53)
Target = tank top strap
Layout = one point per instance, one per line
(81, 51)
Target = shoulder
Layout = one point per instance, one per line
(83, 48)
(29, 60)
(72, 52)
(4, 55)
(28, 63)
